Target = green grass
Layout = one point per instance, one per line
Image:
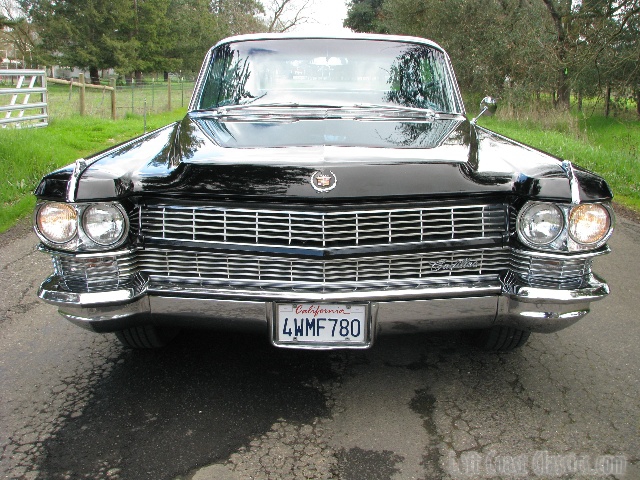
(607, 146)
(27, 154)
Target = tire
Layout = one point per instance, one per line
(499, 338)
(146, 336)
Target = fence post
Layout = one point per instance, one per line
(82, 94)
(112, 84)
(169, 90)
(133, 86)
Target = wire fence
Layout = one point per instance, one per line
(136, 98)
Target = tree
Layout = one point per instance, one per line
(365, 16)
(519, 47)
(283, 15)
(17, 31)
(493, 44)
(134, 36)
(193, 30)
(140, 43)
(78, 32)
(239, 16)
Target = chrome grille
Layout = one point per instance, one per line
(322, 275)
(91, 274)
(221, 270)
(551, 273)
(323, 229)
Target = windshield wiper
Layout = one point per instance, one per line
(390, 112)
(292, 111)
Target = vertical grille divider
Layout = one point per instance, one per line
(257, 227)
(224, 223)
(324, 231)
(453, 224)
(193, 225)
(164, 223)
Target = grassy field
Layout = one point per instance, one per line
(607, 146)
(27, 154)
(131, 99)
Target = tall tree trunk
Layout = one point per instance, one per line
(607, 101)
(580, 101)
(560, 11)
(564, 90)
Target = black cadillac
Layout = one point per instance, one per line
(326, 191)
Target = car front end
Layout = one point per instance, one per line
(325, 191)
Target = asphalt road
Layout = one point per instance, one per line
(216, 406)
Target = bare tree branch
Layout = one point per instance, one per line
(282, 15)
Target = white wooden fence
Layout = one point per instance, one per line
(16, 90)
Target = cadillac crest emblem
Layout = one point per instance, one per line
(323, 182)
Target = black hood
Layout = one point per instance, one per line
(200, 158)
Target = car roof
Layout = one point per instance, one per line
(340, 36)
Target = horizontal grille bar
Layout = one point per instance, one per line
(221, 270)
(322, 229)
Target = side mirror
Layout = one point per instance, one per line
(488, 106)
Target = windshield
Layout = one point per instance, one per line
(328, 72)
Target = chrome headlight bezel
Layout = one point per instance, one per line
(41, 228)
(564, 241)
(120, 220)
(523, 224)
(81, 241)
(608, 226)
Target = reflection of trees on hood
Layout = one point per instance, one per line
(184, 143)
(417, 79)
(188, 140)
(244, 179)
(227, 79)
(428, 135)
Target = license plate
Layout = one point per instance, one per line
(321, 325)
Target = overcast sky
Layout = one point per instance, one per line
(327, 17)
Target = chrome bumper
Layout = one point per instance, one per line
(445, 307)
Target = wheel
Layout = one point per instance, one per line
(146, 336)
(499, 338)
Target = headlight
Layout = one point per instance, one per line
(589, 223)
(540, 223)
(104, 224)
(57, 222)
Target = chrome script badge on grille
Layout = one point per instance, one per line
(322, 182)
(449, 265)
